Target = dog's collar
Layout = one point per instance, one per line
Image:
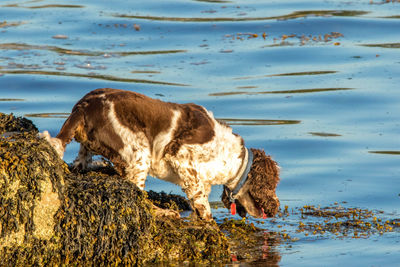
(244, 171)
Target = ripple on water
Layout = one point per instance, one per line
(90, 75)
(50, 115)
(11, 99)
(63, 51)
(234, 121)
(324, 134)
(383, 45)
(293, 15)
(296, 91)
(386, 152)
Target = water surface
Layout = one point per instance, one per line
(314, 83)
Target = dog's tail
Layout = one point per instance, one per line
(54, 142)
(74, 122)
(67, 132)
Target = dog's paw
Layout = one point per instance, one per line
(196, 217)
(76, 167)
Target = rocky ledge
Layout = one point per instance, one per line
(51, 216)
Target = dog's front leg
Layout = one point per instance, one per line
(198, 197)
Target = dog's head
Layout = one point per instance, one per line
(257, 196)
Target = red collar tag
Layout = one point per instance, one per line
(233, 208)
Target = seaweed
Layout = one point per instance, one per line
(10, 123)
(169, 201)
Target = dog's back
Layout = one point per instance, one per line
(129, 129)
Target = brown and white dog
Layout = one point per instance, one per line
(180, 143)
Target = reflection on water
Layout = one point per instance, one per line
(298, 91)
(325, 134)
(294, 15)
(386, 152)
(232, 121)
(387, 45)
(54, 6)
(47, 115)
(22, 46)
(11, 99)
(90, 75)
(291, 74)
(314, 83)
(26, 5)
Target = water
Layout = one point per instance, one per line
(314, 83)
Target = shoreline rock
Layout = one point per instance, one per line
(49, 215)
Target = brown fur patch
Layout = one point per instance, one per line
(227, 203)
(141, 113)
(263, 179)
(194, 127)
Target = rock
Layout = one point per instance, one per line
(50, 216)
(169, 201)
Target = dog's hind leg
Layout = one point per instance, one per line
(136, 163)
(83, 159)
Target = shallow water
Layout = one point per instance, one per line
(314, 83)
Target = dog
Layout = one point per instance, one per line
(180, 143)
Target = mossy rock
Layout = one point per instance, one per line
(50, 216)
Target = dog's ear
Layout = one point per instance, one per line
(225, 197)
(263, 179)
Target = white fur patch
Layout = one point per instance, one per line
(84, 158)
(215, 162)
(136, 150)
(159, 167)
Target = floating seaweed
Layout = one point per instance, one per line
(344, 222)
